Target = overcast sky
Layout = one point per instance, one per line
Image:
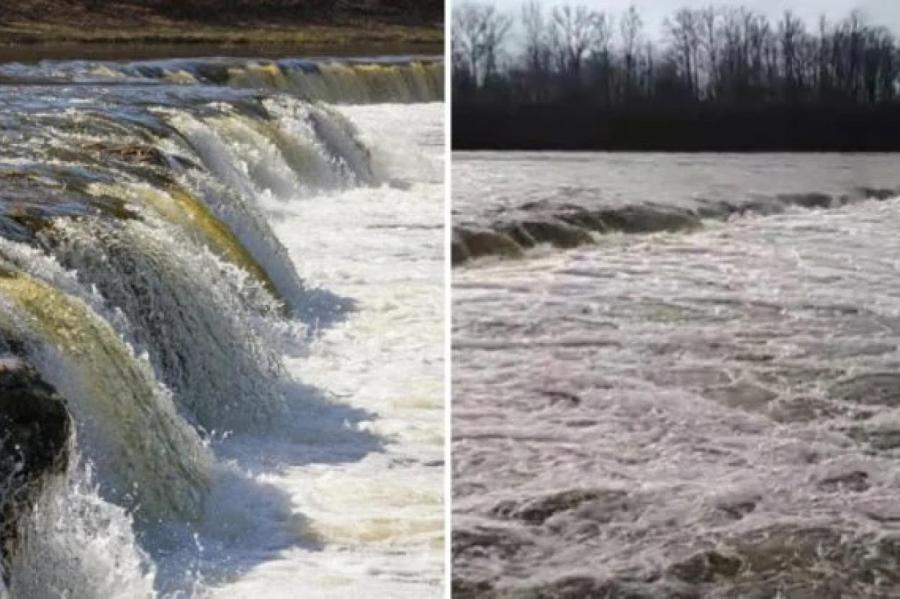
(881, 12)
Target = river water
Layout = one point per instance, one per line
(709, 411)
(231, 269)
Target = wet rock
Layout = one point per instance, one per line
(787, 588)
(565, 225)
(131, 152)
(800, 562)
(760, 205)
(807, 200)
(502, 542)
(518, 234)
(856, 481)
(869, 389)
(738, 509)
(468, 244)
(34, 442)
(718, 209)
(572, 214)
(557, 233)
(23, 228)
(561, 397)
(707, 566)
(458, 252)
(619, 586)
(472, 589)
(538, 510)
(212, 72)
(648, 219)
(778, 550)
(878, 193)
(585, 219)
(643, 218)
(587, 587)
(32, 200)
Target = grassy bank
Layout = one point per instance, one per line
(50, 28)
(272, 35)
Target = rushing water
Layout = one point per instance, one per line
(231, 271)
(505, 204)
(710, 412)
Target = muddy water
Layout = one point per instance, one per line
(711, 413)
(507, 203)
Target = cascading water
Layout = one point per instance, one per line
(365, 81)
(151, 459)
(151, 217)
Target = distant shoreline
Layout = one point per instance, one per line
(119, 30)
(34, 52)
(123, 44)
(693, 128)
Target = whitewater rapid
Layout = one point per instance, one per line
(375, 516)
(237, 289)
(703, 413)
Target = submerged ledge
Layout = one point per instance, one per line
(35, 428)
(566, 226)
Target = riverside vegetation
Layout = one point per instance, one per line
(716, 79)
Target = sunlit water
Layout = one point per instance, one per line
(232, 271)
(710, 413)
(369, 522)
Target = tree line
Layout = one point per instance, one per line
(719, 56)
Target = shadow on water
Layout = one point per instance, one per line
(247, 523)
(247, 520)
(316, 428)
(323, 309)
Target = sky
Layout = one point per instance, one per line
(881, 12)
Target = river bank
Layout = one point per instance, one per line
(31, 31)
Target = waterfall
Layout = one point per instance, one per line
(146, 457)
(141, 278)
(333, 81)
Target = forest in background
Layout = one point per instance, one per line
(718, 78)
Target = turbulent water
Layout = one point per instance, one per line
(700, 412)
(231, 270)
(509, 204)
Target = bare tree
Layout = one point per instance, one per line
(790, 32)
(537, 51)
(630, 28)
(708, 32)
(574, 33)
(683, 31)
(479, 32)
(537, 48)
(728, 56)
